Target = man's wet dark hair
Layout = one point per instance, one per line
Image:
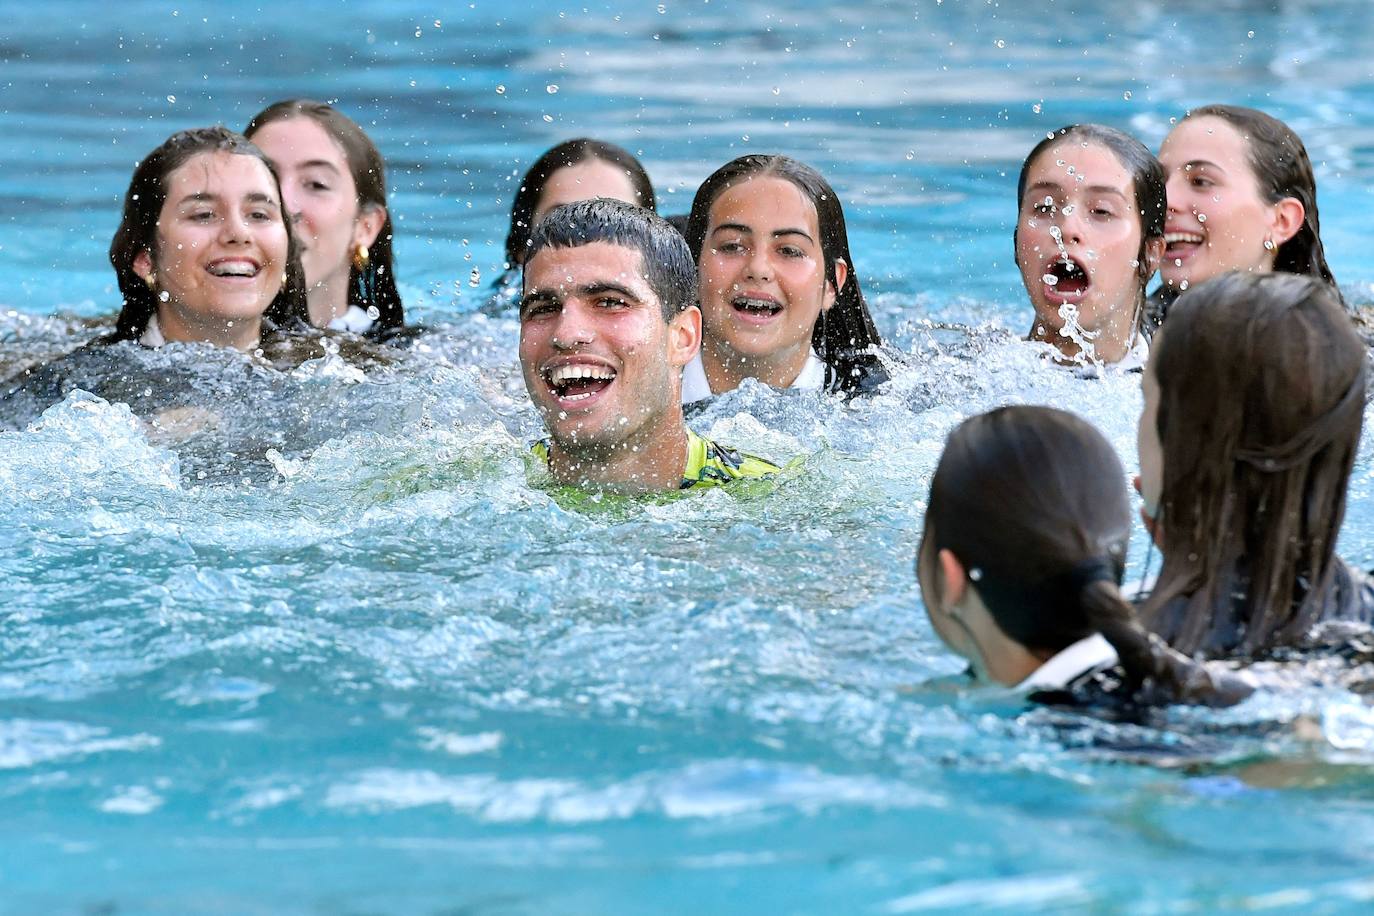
(570, 152)
(138, 233)
(666, 263)
(1148, 179)
(845, 336)
(373, 285)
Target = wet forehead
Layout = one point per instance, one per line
(1205, 139)
(566, 271)
(1074, 167)
(763, 203)
(220, 174)
(299, 140)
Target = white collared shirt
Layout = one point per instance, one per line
(1083, 657)
(354, 321)
(152, 333)
(696, 388)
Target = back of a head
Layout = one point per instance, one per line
(1027, 495)
(667, 265)
(567, 153)
(1262, 383)
(845, 336)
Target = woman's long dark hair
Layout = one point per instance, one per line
(1261, 398)
(570, 152)
(1282, 169)
(1032, 500)
(137, 230)
(374, 284)
(844, 337)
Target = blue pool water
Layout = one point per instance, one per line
(367, 668)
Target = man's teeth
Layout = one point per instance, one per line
(561, 375)
(234, 269)
(1190, 237)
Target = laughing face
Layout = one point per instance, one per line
(1078, 243)
(763, 283)
(1218, 220)
(601, 364)
(221, 249)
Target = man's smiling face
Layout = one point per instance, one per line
(598, 357)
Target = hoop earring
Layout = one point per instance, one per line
(360, 256)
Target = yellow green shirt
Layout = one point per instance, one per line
(708, 463)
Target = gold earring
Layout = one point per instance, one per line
(151, 280)
(360, 256)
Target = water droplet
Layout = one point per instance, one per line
(910, 154)
(500, 90)
(777, 90)
(164, 296)
(662, 8)
(1126, 95)
(551, 88)
(1001, 43)
(438, 24)
(1184, 284)
(1068, 208)
(1250, 34)
(172, 99)
(373, 313)
(1036, 108)
(1050, 280)
(1202, 217)
(548, 119)
(475, 278)
(417, 33)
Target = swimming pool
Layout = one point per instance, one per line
(384, 674)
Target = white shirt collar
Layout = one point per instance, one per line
(1134, 360)
(1064, 668)
(152, 333)
(696, 388)
(354, 321)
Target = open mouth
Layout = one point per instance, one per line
(757, 308)
(576, 383)
(1182, 244)
(1066, 280)
(234, 267)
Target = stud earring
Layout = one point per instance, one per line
(151, 280)
(360, 256)
(1268, 244)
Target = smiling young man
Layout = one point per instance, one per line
(608, 318)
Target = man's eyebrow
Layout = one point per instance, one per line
(538, 296)
(607, 286)
(732, 227)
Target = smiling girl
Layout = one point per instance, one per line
(1242, 196)
(1089, 236)
(779, 294)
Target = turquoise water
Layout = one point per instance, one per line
(367, 668)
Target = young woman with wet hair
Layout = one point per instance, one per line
(334, 185)
(1254, 398)
(1088, 238)
(780, 297)
(1242, 196)
(203, 254)
(580, 169)
(1021, 562)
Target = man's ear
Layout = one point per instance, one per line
(1286, 220)
(684, 336)
(832, 291)
(368, 225)
(956, 579)
(143, 265)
